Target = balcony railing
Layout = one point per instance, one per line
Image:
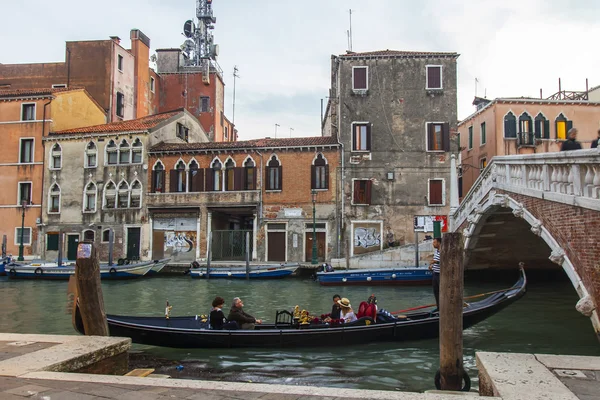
(526, 139)
(171, 199)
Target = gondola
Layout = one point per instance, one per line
(192, 332)
(266, 271)
(376, 277)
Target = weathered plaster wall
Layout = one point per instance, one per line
(74, 109)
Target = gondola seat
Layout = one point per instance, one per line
(283, 318)
(361, 322)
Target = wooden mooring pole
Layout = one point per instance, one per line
(89, 290)
(451, 310)
(247, 255)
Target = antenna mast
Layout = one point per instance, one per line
(199, 45)
(350, 32)
(235, 75)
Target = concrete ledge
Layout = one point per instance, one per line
(552, 361)
(518, 377)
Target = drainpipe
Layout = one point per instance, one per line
(258, 223)
(43, 172)
(339, 132)
(68, 67)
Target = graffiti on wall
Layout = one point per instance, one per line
(366, 237)
(180, 242)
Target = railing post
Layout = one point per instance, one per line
(507, 172)
(577, 180)
(524, 177)
(546, 178)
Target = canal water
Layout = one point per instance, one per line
(544, 321)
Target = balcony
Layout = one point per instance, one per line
(526, 139)
(196, 199)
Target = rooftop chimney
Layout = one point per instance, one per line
(116, 39)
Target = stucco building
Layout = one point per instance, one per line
(26, 117)
(95, 182)
(261, 187)
(394, 113)
(505, 126)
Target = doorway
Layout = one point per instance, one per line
(320, 246)
(276, 242)
(72, 242)
(133, 243)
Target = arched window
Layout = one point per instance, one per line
(54, 199)
(230, 175)
(124, 152)
(136, 151)
(89, 235)
(510, 125)
(249, 174)
(525, 125)
(542, 127)
(196, 177)
(56, 157)
(215, 183)
(320, 173)
(112, 154)
(178, 178)
(123, 195)
(562, 127)
(136, 194)
(158, 178)
(89, 197)
(110, 195)
(91, 155)
(274, 174)
(106, 236)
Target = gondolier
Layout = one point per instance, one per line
(435, 268)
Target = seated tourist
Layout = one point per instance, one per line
(237, 314)
(347, 314)
(217, 318)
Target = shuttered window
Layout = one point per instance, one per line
(542, 127)
(274, 174)
(482, 137)
(434, 77)
(362, 192)
(320, 173)
(158, 179)
(510, 125)
(436, 195)
(52, 241)
(562, 127)
(361, 137)
(196, 178)
(359, 78)
(249, 175)
(438, 136)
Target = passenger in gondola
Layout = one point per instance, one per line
(347, 314)
(237, 314)
(217, 318)
(335, 309)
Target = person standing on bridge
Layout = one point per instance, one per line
(596, 141)
(571, 143)
(435, 268)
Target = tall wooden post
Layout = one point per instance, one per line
(247, 255)
(208, 254)
(60, 249)
(451, 309)
(3, 246)
(89, 289)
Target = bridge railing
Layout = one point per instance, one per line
(571, 177)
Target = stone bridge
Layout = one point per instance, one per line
(542, 209)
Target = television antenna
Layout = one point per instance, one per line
(235, 75)
(199, 44)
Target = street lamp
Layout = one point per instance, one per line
(23, 206)
(314, 260)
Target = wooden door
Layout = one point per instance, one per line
(133, 243)
(72, 242)
(158, 245)
(320, 246)
(277, 246)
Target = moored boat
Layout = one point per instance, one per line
(192, 332)
(267, 271)
(376, 276)
(55, 272)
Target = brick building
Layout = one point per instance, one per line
(392, 112)
(261, 186)
(26, 117)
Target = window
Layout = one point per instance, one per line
(320, 173)
(436, 192)
(158, 178)
(89, 235)
(120, 104)
(112, 155)
(152, 84)
(110, 195)
(123, 195)
(124, 152)
(360, 80)
(106, 236)
(182, 132)
(226, 132)
(59, 86)
(120, 62)
(434, 77)
(215, 175)
(470, 137)
(91, 155)
(136, 152)
(24, 193)
(52, 241)
(178, 178)
(136, 194)
(361, 136)
(362, 192)
(230, 175)
(89, 197)
(438, 136)
(562, 127)
(196, 177)
(56, 157)
(54, 199)
(510, 125)
(222, 118)
(525, 125)
(482, 138)
(26, 152)
(274, 175)
(482, 163)
(204, 104)
(26, 236)
(28, 112)
(249, 175)
(542, 127)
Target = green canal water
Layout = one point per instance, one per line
(544, 321)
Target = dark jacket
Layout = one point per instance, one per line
(217, 319)
(238, 315)
(570, 144)
(595, 144)
(336, 311)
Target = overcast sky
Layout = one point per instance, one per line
(283, 47)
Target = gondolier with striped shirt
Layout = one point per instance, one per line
(435, 268)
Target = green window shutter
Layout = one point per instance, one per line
(52, 241)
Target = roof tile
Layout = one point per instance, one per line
(34, 92)
(256, 143)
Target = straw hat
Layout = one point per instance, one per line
(344, 302)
